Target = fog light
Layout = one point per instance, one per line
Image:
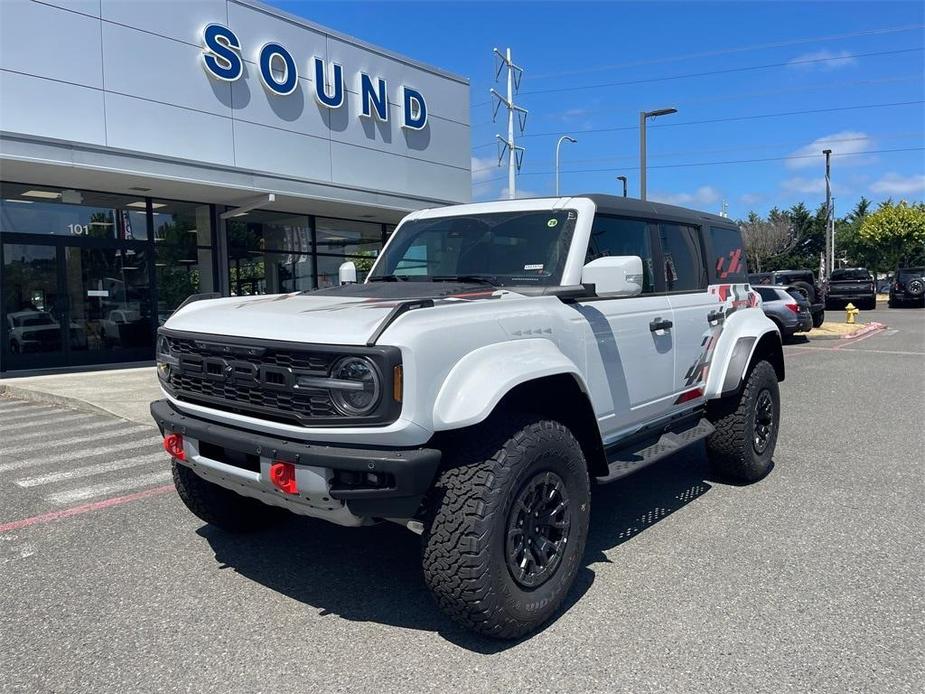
(173, 444)
(282, 476)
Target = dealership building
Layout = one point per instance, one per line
(152, 150)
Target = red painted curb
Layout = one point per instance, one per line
(869, 328)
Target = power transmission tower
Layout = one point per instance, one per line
(724, 209)
(515, 154)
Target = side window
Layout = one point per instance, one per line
(728, 254)
(611, 236)
(684, 269)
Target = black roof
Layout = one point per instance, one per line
(615, 204)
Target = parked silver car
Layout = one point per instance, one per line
(788, 308)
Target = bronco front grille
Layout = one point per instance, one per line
(256, 378)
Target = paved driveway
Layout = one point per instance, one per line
(811, 579)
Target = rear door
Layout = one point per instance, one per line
(630, 360)
(684, 266)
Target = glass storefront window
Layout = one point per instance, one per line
(269, 253)
(340, 240)
(28, 209)
(183, 253)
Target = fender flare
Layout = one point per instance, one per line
(478, 381)
(740, 339)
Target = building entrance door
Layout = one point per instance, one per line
(74, 303)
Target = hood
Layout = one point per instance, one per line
(348, 315)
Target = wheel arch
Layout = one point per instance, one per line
(745, 341)
(520, 376)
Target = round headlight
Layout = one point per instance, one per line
(361, 389)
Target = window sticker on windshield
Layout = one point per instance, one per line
(552, 222)
(533, 267)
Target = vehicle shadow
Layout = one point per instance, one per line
(373, 574)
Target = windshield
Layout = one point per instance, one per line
(503, 248)
(838, 275)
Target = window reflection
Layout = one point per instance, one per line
(183, 253)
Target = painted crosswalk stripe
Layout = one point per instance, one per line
(81, 493)
(6, 405)
(140, 445)
(31, 414)
(90, 470)
(41, 422)
(82, 426)
(58, 443)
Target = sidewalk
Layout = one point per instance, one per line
(125, 393)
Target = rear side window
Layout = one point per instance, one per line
(728, 254)
(611, 236)
(910, 274)
(682, 257)
(767, 294)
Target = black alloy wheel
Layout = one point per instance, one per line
(764, 421)
(537, 529)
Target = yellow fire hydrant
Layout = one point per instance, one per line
(850, 312)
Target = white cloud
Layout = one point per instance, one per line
(519, 193)
(483, 169)
(811, 186)
(704, 195)
(894, 184)
(751, 198)
(824, 60)
(841, 143)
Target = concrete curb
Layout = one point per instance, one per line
(55, 399)
(863, 330)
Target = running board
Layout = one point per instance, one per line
(624, 460)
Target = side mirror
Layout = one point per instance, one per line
(618, 275)
(347, 273)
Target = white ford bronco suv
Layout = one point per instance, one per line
(498, 358)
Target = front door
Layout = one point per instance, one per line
(71, 304)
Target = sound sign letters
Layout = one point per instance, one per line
(279, 73)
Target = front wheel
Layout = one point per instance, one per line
(746, 427)
(818, 319)
(508, 528)
(222, 507)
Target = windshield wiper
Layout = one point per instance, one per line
(490, 280)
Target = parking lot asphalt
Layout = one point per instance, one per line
(809, 580)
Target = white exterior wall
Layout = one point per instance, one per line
(120, 84)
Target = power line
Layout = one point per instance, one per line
(718, 163)
(633, 157)
(731, 119)
(733, 96)
(705, 73)
(730, 51)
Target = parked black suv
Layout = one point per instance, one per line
(804, 280)
(851, 284)
(908, 287)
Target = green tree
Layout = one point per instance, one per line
(896, 235)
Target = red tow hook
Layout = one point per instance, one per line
(173, 444)
(282, 476)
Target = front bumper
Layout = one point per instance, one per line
(410, 471)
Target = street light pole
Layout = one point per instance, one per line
(564, 138)
(623, 178)
(643, 117)
(828, 213)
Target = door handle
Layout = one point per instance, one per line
(716, 316)
(660, 324)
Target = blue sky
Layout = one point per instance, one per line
(821, 57)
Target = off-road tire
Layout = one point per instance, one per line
(808, 290)
(870, 304)
(818, 319)
(465, 541)
(731, 447)
(222, 507)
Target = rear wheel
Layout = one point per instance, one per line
(818, 319)
(222, 507)
(808, 290)
(746, 427)
(509, 525)
(870, 304)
